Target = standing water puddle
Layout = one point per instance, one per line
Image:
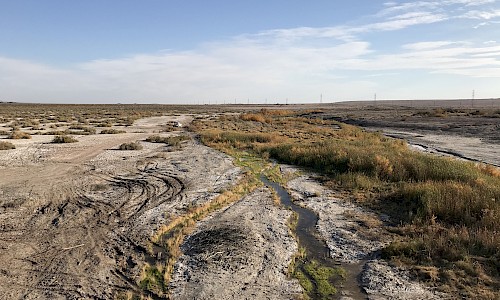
(316, 249)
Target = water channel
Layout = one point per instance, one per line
(316, 248)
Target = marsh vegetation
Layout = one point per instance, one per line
(445, 211)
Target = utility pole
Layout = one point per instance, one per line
(473, 97)
(321, 98)
(375, 99)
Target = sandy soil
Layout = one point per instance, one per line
(354, 237)
(75, 218)
(242, 252)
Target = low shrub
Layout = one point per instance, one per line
(170, 140)
(6, 146)
(63, 139)
(112, 131)
(75, 129)
(130, 146)
(17, 135)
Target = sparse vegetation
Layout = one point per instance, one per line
(322, 278)
(130, 146)
(63, 139)
(172, 235)
(80, 129)
(6, 145)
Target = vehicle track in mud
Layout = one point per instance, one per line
(63, 245)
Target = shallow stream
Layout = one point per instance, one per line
(316, 248)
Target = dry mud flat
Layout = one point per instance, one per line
(75, 219)
(354, 237)
(242, 252)
(468, 148)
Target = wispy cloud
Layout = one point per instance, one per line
(482, 15)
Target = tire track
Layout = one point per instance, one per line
(100, 224)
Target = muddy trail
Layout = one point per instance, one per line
(62, 249)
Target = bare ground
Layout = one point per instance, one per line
(75, 218)
(242, 252)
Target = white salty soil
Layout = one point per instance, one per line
(242, 252)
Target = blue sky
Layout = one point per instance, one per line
(175, 51)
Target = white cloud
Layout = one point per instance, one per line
(436, 58)
(447, 9)
(427, 45)
(482, 15)
(224, 70)
(403, 21)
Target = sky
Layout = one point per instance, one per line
(273, 51)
